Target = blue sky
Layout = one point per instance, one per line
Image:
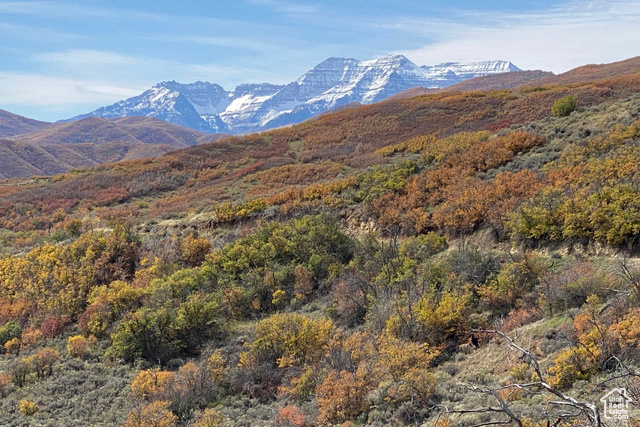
(62, 58)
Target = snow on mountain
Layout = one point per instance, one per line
(450, 73)
(194, 105)
(334, 82)
(326, 75)
(247, 99)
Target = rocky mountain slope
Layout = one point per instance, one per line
(207, 107)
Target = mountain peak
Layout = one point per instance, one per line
(335, 60)
(168, 84)
(334, 67)
(391, 59)
(508, 66)
(174, 85)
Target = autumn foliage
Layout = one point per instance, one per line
(336, 272)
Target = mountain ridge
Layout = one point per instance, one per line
(207, 107)
(593, 72)
(80, 145)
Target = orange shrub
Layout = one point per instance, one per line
(342, 396)
(290, 416)
(110, 195)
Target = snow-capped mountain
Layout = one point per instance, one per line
(197, 105)
(334, 82)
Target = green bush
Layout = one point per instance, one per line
(564, 106)
(10, 330)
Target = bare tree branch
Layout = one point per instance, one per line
(589, 410)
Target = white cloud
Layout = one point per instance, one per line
(47, 91)
(83, 64)
(78, 58)
(238, 42)
(557, 39)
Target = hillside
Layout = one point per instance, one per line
(12, 124)
(350, 137)
(61, 147)
(531, 79)
(509, 80)
(93, 141)
(452, 259)
(593, 72)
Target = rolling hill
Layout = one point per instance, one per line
(59, 147)
(12, 124)
(592, 72)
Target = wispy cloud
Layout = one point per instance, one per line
(47, 91)
(78, 58)
(32, 33)
(287, 7)
(237, 42)
(24, 7)
(557, 39)
(86, 64)
(61, 10)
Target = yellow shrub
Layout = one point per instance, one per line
(208, 418)
(217, 367)
(77, 346)
(571, 365)
(27, 407)
(520, 372)
(155, 414)
(292, 339)
(151, 381)
(12, 346)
